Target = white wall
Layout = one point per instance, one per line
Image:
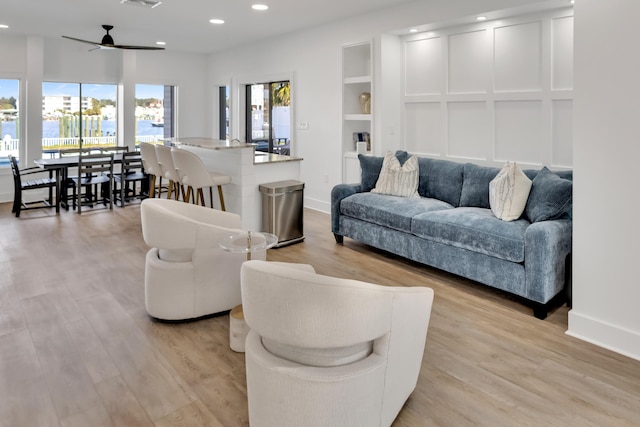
(606, 294)
(34, 60)
(492, 92)
(313, 58)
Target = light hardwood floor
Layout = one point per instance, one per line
(78, 349)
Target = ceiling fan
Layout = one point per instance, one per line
(108, 43)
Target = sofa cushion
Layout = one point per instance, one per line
(508, 192)
(475, 187)
(475, 229)
(440, 179)
(370, 167)
(551, 197)
(389, 211)
(396, 179)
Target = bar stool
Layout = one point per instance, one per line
(168, 170)
(151, 167)
(195, 175)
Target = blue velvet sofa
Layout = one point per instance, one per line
(451, 227)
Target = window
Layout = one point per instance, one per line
(155, 111)
(9, 120)
(223, 112)
(268, 116)
(74, 110)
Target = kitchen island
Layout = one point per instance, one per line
(246, 167)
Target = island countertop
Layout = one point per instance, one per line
(221, 144)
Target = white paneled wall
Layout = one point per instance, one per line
(492, 92)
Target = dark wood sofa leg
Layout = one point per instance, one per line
(540, 311)
(339, 238)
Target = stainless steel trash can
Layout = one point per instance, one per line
(282, 203)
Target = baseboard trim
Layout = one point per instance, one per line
(603, 334)
(317, 205)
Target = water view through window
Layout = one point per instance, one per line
(90, 111)
(9, 119)
(74, 110)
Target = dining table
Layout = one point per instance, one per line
(60, 166)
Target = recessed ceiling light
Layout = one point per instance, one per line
(216, 21)
(4, 26)
(481, 18)
(161, 43)
(572, 1)
(259, 7)
(413, 30)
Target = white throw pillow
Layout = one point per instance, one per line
(508, 192)
(398, 180)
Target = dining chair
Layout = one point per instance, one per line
(94, 170)
(19, 186)
(151, 167)
(168, 169)
(69, 175)
(195, 176)
(125, 181)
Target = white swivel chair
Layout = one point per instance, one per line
(187, 274)
(165, 160)
(195, 175)
(324, 351)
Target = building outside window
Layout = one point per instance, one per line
(74, 110)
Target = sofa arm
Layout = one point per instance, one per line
(546, 246)
(338, 193)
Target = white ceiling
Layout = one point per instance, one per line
(182, 24)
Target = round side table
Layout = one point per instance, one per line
(248, 242)
(244, 242)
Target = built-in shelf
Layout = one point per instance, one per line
(364, 117)
(357, 78)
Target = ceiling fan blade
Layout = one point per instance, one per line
(107, 42)
(81, 40)
(122, 46)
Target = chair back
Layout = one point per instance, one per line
(93, 168)
(309, 310)
(17, 183)
(171, 224)
(191, 168)
(72, 152)
(165, 160)
(114, 149)
(150, 159)
(131, 163)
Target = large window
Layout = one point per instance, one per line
(71, 111)
(269, 117)
(155, 112)
(9, 120)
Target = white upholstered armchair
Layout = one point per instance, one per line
(324, 351)
(187, 274)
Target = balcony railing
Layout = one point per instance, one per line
(11, 145)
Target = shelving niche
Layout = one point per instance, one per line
(357, 78)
